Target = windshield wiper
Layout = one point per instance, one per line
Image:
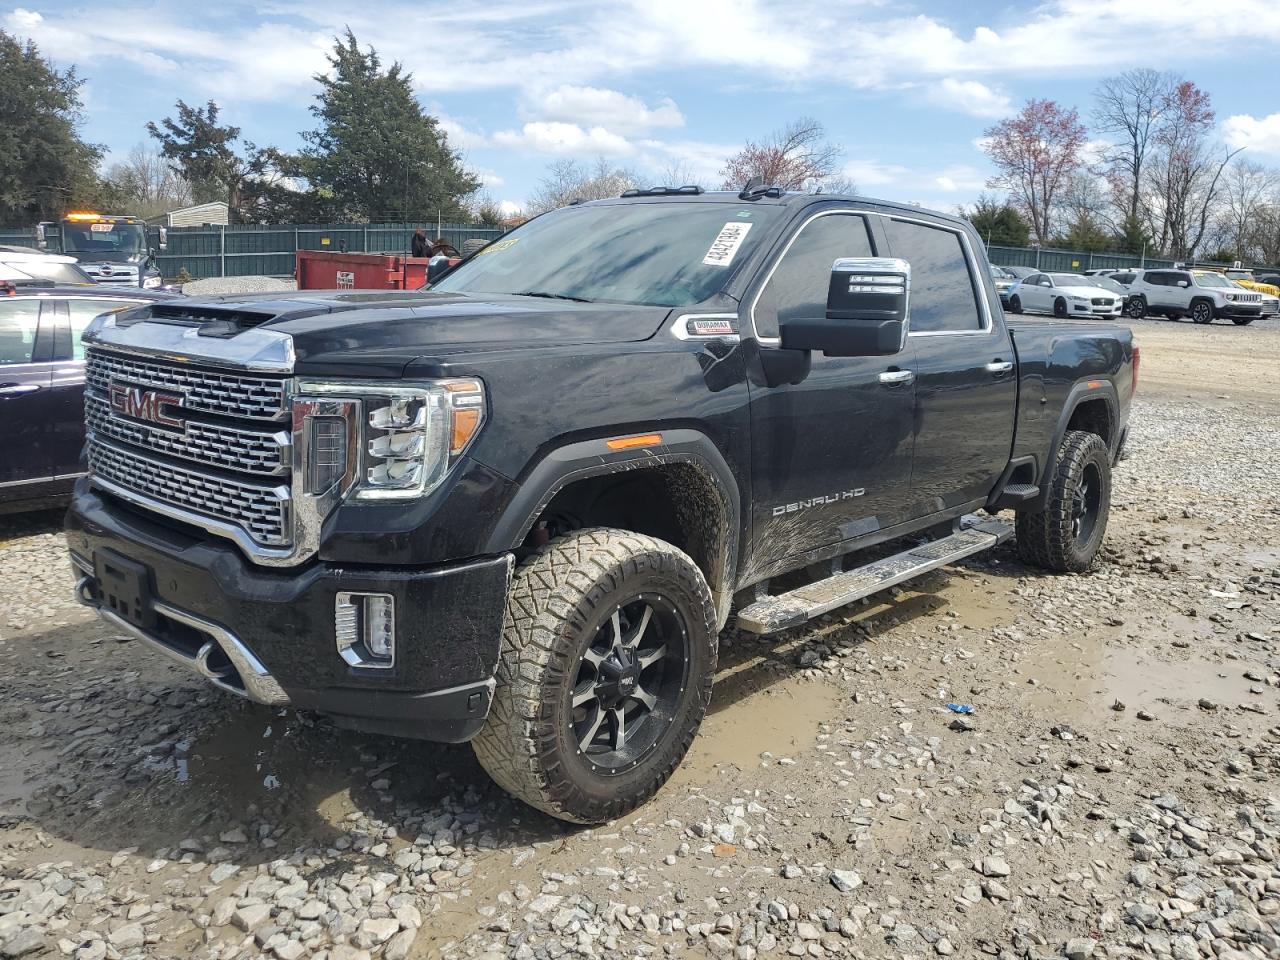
(552, 296)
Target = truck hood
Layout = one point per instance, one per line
(353, 333)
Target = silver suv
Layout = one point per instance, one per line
(1201, 295)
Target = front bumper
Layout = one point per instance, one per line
(1238, 310)
(269, 634)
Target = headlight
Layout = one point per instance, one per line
(1078, 299)
(1229, 296)
(411, 435)
(152, 283)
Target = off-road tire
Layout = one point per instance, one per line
(558, 599)
(1136, 308)
(1242, 321)
(1047, 538)
(1015, 304)
(1060, 308)
(1201, 311)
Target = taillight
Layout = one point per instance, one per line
(1137, 361)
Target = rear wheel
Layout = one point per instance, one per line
(1059, 308)
(608, 653)
(1066, 534)
(1202, 311)
(1015, 304)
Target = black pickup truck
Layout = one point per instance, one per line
(518, 509)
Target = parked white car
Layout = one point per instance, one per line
(1064, 295)
(1202, 295)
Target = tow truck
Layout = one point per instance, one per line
(113, 249)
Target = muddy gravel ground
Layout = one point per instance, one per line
(1115, 791)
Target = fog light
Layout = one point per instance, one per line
(365, 626)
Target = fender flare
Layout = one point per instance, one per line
(580, 460)
(1081, 391)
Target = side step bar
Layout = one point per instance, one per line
(804, 603)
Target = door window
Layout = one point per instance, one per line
(19, 320)
(943, 297)
(799, 284)
(83, 311)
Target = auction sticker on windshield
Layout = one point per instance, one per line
(725, 246)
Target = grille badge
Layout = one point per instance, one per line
(139, 403)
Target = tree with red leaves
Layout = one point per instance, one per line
(1186, 177)
(794, 158)
(1035, 154)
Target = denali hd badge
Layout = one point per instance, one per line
(784, 508)
(139, 403)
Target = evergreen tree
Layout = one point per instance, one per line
(998, 223)
(45, 167)
(375, 155)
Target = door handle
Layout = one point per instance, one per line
(894, 377)
(18, 389)
(998, 367)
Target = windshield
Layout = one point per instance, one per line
(53, 271)
(1106, 283)
(1214, 280)
(1000, 273)
(1071, 280)
(665, 254)
(103, 239)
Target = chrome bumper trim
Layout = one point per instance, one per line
(259, 685)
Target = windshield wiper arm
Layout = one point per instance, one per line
(552, 296)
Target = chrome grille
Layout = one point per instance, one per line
(1103, 302)
(230, 394)
(262, 511)
(226, 465)
(232, 449)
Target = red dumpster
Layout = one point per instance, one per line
(322, 270)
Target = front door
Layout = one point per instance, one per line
(831, 453)
(25, 398)
(966, 374)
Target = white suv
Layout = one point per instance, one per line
(1201, 295)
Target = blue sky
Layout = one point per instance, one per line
(905, 88)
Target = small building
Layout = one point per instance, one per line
(200, 215)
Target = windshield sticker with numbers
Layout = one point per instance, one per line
(725, 246)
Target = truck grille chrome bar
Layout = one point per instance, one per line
(209, 391)
(263, 512)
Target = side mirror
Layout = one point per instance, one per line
(867, 308)
(1183, 283)
(42, 238)
(164, 239)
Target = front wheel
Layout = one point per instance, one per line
(1015, 304)
(1059, 308)
(1066, 534)
(1202, 312)
(608, 653)
(1136, 308)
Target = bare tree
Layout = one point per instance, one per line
(569, 180)
(678, 173)
(1248, 190)
(1186, 172)
(797, 157)
(1036, 153)
(147, 182)
(1131, 105)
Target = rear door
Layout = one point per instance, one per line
(966, 375)
(1037, 292)
(26, 346)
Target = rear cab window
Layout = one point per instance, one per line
(944, 296)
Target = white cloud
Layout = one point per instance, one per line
(597, 107)
(488, 178)
(509, 208)
(564, 138)
(461, 137)
(971, 97)
(873, 173)
(1258, 135)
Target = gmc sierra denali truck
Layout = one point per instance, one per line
(518, 509)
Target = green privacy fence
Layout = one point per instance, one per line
(18, 236)
(268, 250)
(1069, 261)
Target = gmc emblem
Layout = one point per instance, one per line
(138, 403)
